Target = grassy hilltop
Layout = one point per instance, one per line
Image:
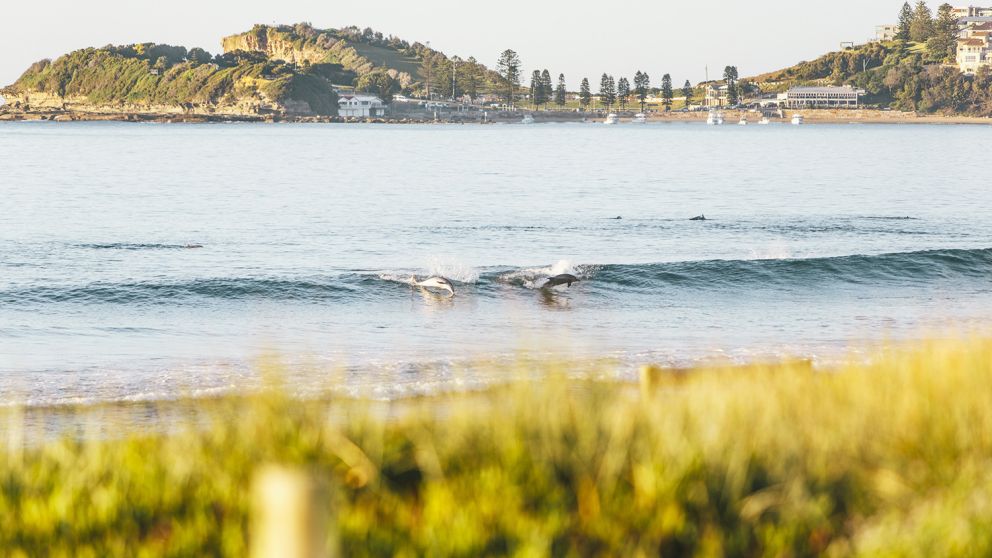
(890, 458)
(902, 75)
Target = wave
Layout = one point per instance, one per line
(891, 270)
(138, 246)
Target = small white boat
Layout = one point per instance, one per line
(527, 119)
(639, 118)
(764, 121)
(714, 118)
(612, 119)
(797, 120)
(742, 121)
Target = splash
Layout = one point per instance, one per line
(535, 277)
(452, 269)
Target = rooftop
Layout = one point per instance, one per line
(827, 89)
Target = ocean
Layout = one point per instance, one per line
(154, 261)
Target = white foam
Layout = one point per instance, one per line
(402, 279)
(453, 270)
(535, 277)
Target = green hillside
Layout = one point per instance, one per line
(902, 75)
(163, 75)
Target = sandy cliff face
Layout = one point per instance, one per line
(277, 46)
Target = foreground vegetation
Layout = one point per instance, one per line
(892, 458)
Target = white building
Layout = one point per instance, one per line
(360, 106)
(884, 33)
(823, 97)
(972, 11)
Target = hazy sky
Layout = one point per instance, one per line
(579, 38)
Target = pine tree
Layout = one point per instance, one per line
(641, 85)
(905, 20)
(730, 76)
(508, 68)
(561, 93)
(943, 43)
(606, 91)
(666, 91)
(585, 94)
(921, 28)
(623, 92)
(468, 78)
(537, 89)
(687, 93)
(549, 88)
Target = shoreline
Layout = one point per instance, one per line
(819, 116)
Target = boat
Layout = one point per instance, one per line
(527, 119)
(742, 121)
(764, 121)
(612, 119)
(797, 119)
(639, 118)
(714, 118)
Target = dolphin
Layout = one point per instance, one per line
(436, 282)
(563, 279)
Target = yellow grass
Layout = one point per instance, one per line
(889, 458)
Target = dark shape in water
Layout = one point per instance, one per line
(563, 279)
(699, 218)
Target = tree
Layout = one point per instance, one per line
(641, 85)
(905, 20)
(730, 76)
(428, 69)
(549, 88)
(921, 27)
(561, 93)
(666, 91)
(943, 43)
(508, 68)
(537, 90)
(687, 93)
(380, 84)
(623, 92)
(607, 91)
(198, 56)
(469, 74)
(585, 94)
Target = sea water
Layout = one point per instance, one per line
(142, 261)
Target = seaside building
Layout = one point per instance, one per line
(974, 49)
(360, 106)
(885, 33)
(717, 95)
(823, 97)
(972, 11)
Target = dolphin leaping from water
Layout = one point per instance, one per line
(563, 279)
(436, 282)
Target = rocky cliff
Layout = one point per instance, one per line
(357, 53)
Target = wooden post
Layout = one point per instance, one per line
(650, 379)
(289, 515)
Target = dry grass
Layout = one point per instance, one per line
(892, 458)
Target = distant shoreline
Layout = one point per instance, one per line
(819, 116)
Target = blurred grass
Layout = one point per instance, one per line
(890, 458)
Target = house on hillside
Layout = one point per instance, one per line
(972, 11)
(358, 105)
(972, 54)
(884, 33)
(717, 95)
(823, 97)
